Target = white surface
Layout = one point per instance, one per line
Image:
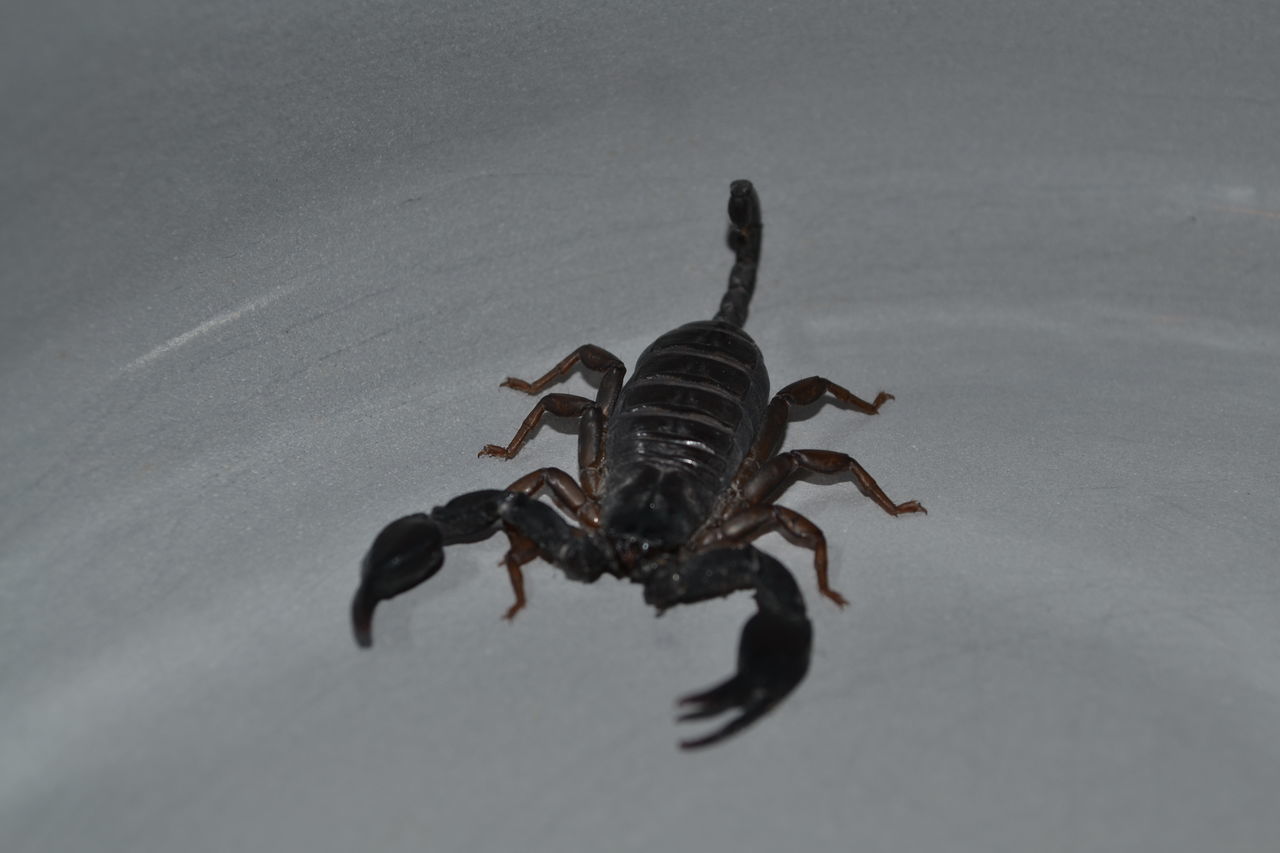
(264, 265)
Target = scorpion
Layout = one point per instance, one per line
(677, 471)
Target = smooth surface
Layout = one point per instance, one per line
(265, 264)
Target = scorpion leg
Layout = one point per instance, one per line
(559, 405)
(590, 443)
(522, 550)
(592, 415)
(564, 490)
(800, 393)
(410, 550)
(775, 473)
(754, 522)
(591, 357)
(568, 495)
(773, 653)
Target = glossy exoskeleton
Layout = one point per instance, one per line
(678, 468)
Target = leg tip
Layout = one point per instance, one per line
(836, 598)
(517, 384)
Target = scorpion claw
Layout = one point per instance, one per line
(362, 617)
(732, 693)
(773, 658)
(406, 553)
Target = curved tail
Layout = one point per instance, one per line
(745, 231)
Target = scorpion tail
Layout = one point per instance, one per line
(745, 229)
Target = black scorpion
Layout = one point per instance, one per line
(677, 471)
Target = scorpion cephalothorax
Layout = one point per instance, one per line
(677, 468)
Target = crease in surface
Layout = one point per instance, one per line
(208, 326)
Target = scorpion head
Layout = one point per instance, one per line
(649, 517)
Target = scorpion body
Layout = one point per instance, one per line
(682, 426)
(676, 471)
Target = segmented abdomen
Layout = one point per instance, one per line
(694, 404)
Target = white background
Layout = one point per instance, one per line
(264, 265)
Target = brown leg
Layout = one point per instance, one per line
(522, 551)
(592, 414)
(564, 490)
(774, 474)
(590, 442)
(568, 495)
(591, 453)
(559, 405)
(756, 521)
(801, 393)
(591, 357)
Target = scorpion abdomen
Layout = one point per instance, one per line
(693, 405)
